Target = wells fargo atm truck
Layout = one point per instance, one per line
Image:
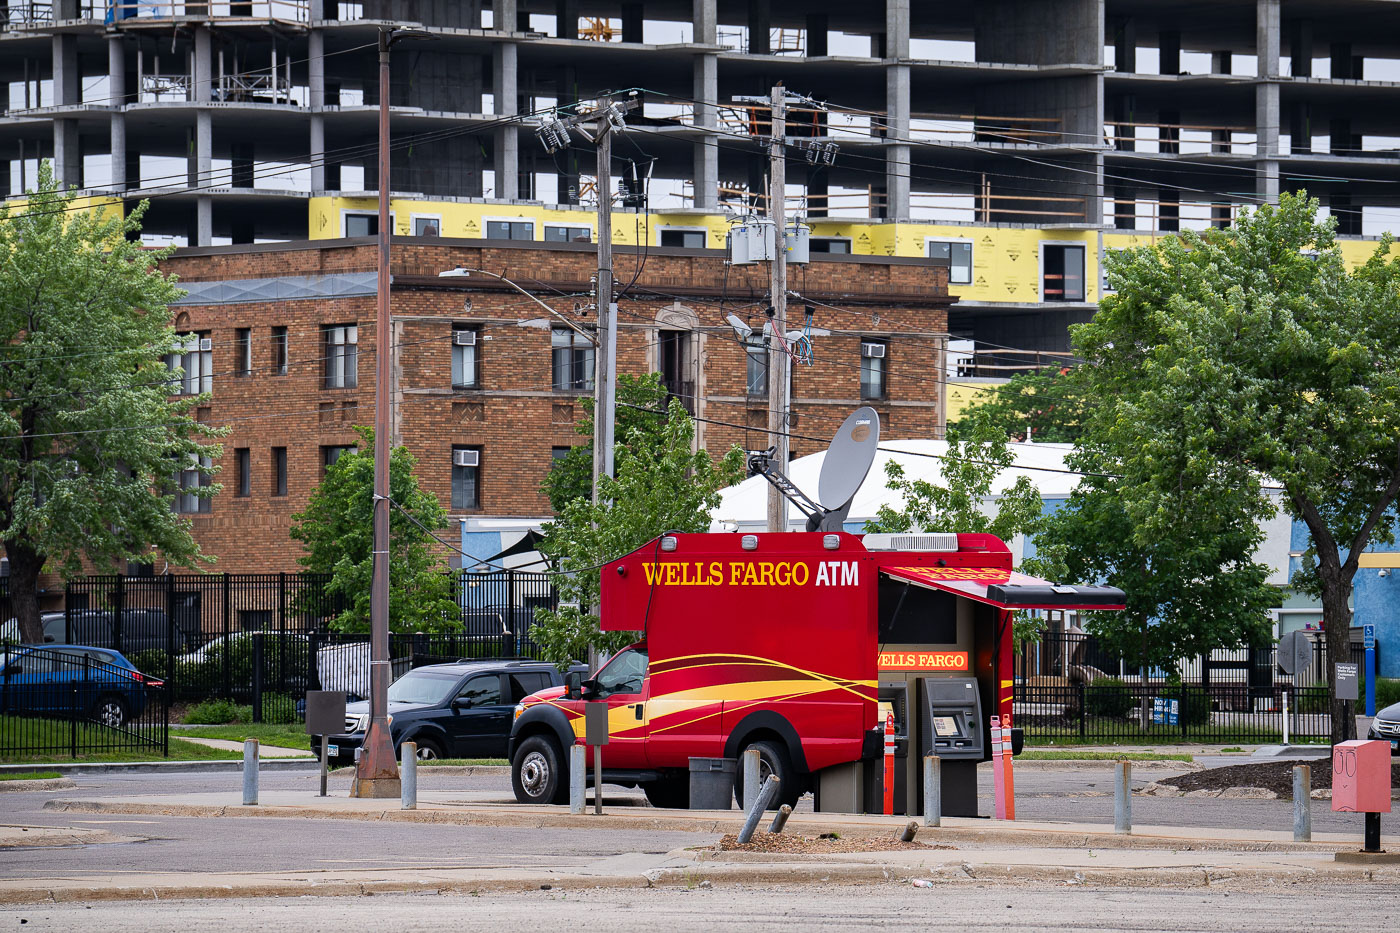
(793, 643)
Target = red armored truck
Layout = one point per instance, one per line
(796, 644)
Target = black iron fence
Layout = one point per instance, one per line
(57, 701)
(1069, 688)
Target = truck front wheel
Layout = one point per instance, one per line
(772, 759)
(537, 774)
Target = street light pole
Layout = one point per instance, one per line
(377, 771)
(778, 359)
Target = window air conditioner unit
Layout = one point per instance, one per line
(206, 343)
(464, 338)
(873, 350)
(466, 458)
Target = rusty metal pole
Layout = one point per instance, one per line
(377, 772)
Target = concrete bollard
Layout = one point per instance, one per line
(1302, 803)
(250, 773)
(911, 829)
(1122, 797)
(765, 797)
(780, 819)
(933, 791)
(750, 766)
(408, 776)
(578, 778)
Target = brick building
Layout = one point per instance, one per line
(488, 383)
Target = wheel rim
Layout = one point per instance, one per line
(427, 753)
(534, 774)
(110, 713)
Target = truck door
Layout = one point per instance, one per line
(622, 684)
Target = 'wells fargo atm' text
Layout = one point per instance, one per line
(753, 573)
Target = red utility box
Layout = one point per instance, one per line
(1361, 777)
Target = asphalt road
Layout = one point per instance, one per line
(195, 844)
(888, 907)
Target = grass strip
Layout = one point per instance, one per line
(1041, 754)
(31, 776)
(279, 736)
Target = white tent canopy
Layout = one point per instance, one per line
(745, 504)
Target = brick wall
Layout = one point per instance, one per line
(514, 416)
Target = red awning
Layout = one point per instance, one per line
(1007, 589)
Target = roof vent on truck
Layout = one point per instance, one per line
(938, 541)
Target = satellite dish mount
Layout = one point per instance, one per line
(844, 468)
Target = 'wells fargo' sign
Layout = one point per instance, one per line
(923, 661)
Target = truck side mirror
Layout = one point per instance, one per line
(572, 689)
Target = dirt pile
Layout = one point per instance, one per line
(1272, 775)
(824, 844)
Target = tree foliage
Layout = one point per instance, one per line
(1046, 406)
(661, 485)
(90, 441)
(638, 400)
(1231, 356)
(337, 530)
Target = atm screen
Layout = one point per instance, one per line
(945, 727)
(886, 707)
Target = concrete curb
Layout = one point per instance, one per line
(551, 819)
(36, 785)
(209, 766)
(306, 884)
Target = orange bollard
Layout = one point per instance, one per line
(998, 779)
(889, 764)
(1009, 778)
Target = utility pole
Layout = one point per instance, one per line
(778, 359)
(377, 771)
(605, 358)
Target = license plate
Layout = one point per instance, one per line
(332, 750)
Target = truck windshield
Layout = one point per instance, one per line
(624, 673)
(422, 687)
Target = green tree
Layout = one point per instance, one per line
(337, 530)
(1045, 405)
(638, 400)
(661, 484)
(977, 454)
(91, 444)
(1231, 356)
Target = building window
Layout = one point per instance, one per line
(556, 454)
(279, 471)
(510, 229)
(573, 360)
(872, 369)
(464, 344)
(361, 225)
(466, 477)
(427, 225)
(1061, 273)
(685, 239)
(958, 255)
(341, 353)
(756, 355)
(279, 351)
(194, 353)
(243, 346)
(329, 455)
(191, 478)
(829, 244)
(242, 463)
(558, 234)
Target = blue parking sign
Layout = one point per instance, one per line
(1368, 635)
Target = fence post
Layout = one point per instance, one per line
(1182, 718)
(73, 716)
(313, 644)
(257, 677)
(170, 619)
(508, 637)
(1083, 708)
(228, 636)
(119, 613)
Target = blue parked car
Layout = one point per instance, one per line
(73, 680)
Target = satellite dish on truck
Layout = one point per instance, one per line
(848, 459)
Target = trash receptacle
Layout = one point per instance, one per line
(712, 783)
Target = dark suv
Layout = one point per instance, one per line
(458, 710)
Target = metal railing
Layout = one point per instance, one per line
(58, 702)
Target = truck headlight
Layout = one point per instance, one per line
(361, 723)
(519, 708)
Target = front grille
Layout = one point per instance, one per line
(1386, 727)
(352, 723)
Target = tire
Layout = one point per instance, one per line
(772, 759)
(668, 793)
(428, 750)
(111, 710)
(537, 773)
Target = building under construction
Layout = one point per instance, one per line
(1015, 140)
